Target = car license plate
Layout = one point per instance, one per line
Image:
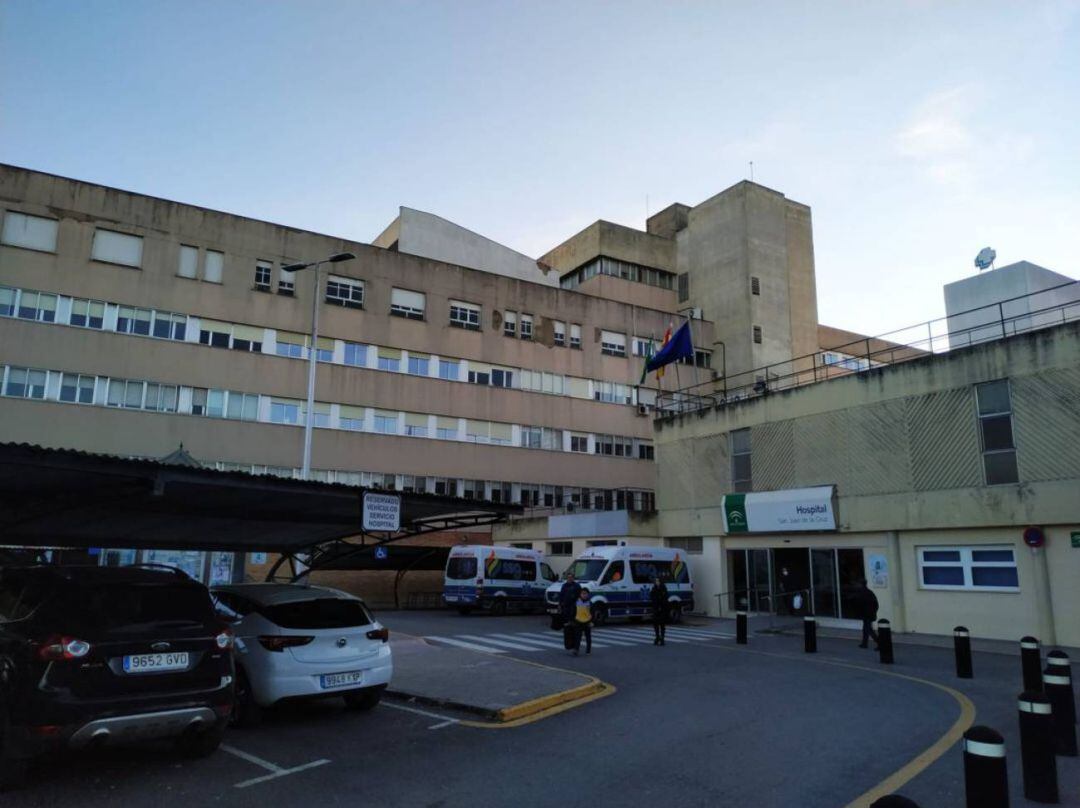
(331, 680)
(451, 598)
(152, 663)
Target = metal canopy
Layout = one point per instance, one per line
(67, 498)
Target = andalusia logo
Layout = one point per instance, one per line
(735, 513)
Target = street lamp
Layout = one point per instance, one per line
(313, 349)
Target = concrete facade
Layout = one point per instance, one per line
(906, 450)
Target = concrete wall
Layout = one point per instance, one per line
(614, 241)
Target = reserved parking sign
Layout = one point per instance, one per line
(382, 512)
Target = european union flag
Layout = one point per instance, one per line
(681, 346)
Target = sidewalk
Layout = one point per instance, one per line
(497, 688)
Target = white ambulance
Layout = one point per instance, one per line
(495, 578)
(620, 581)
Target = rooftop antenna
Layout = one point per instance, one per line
(751, 171)
(985, 259)
(646, 207)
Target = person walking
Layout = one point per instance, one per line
(583, 622)
(868, 606)
(568, 596)
(659, 598)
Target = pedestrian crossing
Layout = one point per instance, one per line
(602, 637)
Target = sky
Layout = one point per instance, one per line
(917, 132)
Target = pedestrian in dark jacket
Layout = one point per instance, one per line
(868, 607)
(659, 599)
(568, 596)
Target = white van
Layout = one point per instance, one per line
(486, 577)
(619, 580)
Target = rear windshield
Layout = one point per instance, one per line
(119, 606)
(321, 613)
(461, 568)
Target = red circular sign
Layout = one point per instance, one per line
(1033, 537)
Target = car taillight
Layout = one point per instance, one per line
(281, 643)
(57, 648)
(224, 639)
(379, 634)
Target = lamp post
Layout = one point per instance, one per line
(313, 348)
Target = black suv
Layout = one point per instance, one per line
(95, 655)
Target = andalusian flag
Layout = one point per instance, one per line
(649, 357)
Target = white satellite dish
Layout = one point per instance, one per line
(985, 258)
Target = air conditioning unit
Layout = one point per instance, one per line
(643, 409)
(695, 313)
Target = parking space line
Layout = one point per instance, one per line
(275, 770)
(445, 722)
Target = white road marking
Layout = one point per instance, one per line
(275, 770)
(445, 721)
(545, 642)
(468, 645)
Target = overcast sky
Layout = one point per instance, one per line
(918, 132)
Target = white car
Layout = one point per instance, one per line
(298, 641)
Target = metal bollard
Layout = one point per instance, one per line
(740, 628)
(1058, 688)
(893, 801)
(1059, 661)
(1031, 663)
(1037, 747)
(809, 627)
(884, 639)
(962, 646)
(986, 776)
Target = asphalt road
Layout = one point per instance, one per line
(702, 722)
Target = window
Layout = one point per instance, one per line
(77, 389)
(247, 338)
(324, 349)
(286, 284)
(691, 544)
(755, 286)
(502, 378)
(133, 321)
(612, 343)
(345, 292)
(741, 476)
(478, 431)
(25, 383)
(530, 495)
(644, 571)
(161, 397)
(284, 411)
(242, 406)
(386, 423)
(263, 273)
(7, 301)
(558, 330)
(464, 315)
(449, 370)
(29, 232)
(977, 568)
(684, 286)
(321, 417)
(198, 401)
(446, 488)
(189, 262)
(214, 267)
(351, 418)
(478, 375)
(757, 334)
(169, 326)
(575, 336)
(389, 359)
(418, 364)
(521, 545)
(87, 313)
(611, 392)
(111, 247)
(579, 443)
(996, 432)
(543, 382)
(645, 451)
(512, 570)
(215, 403)
(526, 326)
(290, 344)
(126, 394)
(510, 324)
(416, 425)
(531, 437)
(604, 444)
(461, 568)
(560, 548)
(356, 354)
(37, 306)
(410, 305)
(211, 333)
(446, 428)
(644, 347)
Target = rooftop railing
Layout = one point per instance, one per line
(1018, 315)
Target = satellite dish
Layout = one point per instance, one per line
(985, 258)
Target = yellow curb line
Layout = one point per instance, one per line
(527, 712)
(920, 762)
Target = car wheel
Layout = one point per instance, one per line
(201, 743)
(498, 607)
(599, 614)
(675, 613)
(246, 712)
(464, 611)
(363, 700)
(12, 769)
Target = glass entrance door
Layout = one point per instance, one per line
(823, 574)
(850, 571)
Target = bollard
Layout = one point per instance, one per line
(740, 628)
(809, 627)
(1058, 689)
(893, 801)
(1031, 663)
(1059, 660)
(962, 646)
(1037, 747)
(986, 776)
(884, 640)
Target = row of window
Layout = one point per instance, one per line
(76, 388)
(994, 413)
(52, 308)
(617, 269)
